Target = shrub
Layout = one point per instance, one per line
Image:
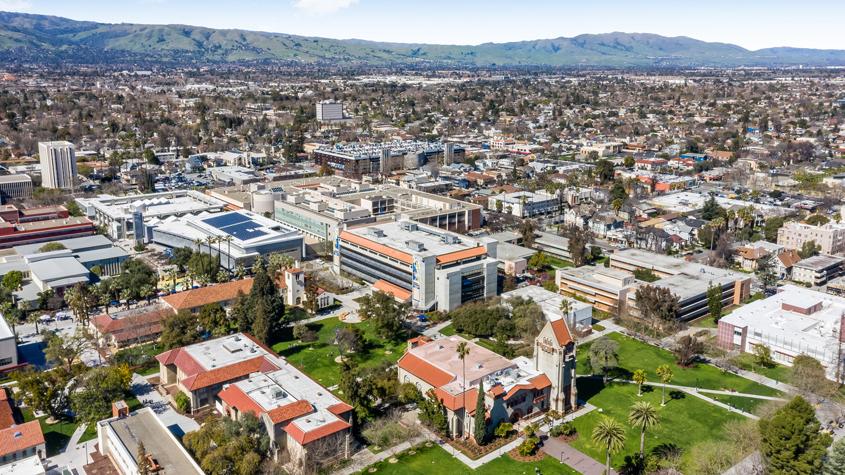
(529, 446)
(503, 429)
(409, 393)
(566, 429)
(386, 432)
(182, 402)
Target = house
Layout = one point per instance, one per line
(784, 263)
(18, 442)
(513, 389)
(194, 299)
(749, 256)
(138, 325)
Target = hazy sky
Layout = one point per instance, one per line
(750, 23)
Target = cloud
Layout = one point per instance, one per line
(321, 7)
(15, 5)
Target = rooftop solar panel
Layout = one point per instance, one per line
(226, 220)
(244, 231)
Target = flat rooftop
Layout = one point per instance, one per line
(689, 201)
(548, 301)
(604, 278)
(820, 262)
(5, 330)
(671, 265)
(479, 363)
(815, 332)
(224, 351)
(144, 426)
(153, 204)
(414, 238)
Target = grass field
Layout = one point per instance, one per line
(436, 460)
(634, 354)
(778, 372)
(684, 421)
(317, 359)
(746, 404)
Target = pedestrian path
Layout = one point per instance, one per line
(566, 454)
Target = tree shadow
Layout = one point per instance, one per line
(633, 465)
(589, 387)
(647, 388)
(677, 394)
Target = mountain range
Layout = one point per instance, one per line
(49, 39)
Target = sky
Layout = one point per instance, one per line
(752, 24)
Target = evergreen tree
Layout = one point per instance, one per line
(791, 441)
(480, 417)
(261, 324)
(834, 464)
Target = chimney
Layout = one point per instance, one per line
(119, 409)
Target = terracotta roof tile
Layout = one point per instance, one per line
(453, 402)
(20, 437)
(227, 373)
(462, 254)
(561, 332)
(233, 396)
(290, 411)
(376, 247)
(424, 370)
(307, 437)
(397, 292)
(205, 295)
(7, 414)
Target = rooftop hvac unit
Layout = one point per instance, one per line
(377, 232)
(450, 239)
(409, 226)
(414, 245)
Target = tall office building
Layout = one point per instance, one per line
(58, 164)
(329, 110)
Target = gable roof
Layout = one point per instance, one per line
(227, 373)
(7, 415)
(205, 295)
(290, 411)
(424, 370)
(561, 332)
(16, 438)
(303, 437)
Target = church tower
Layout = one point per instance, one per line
(554, 355)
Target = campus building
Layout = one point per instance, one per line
(22, 445)
(319, 207)
(123, 217)
(424, 265)
(579, 315)
(829, 237)
(236, 237)
(513, 389)
(19, 226)
(357, 159)
(525, 204)
(604, 288)
(8, 348)
(237, 375)
(130, 327)
(688, 281)
(118, 439)
(58, 164)
(792, 322)
(818, 270)
(15, 187)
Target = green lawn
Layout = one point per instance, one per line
(436, 460)
(449, 330)
(557, 263)
(746, 404)
(778, 372)
(704, 322)
(684, 421)
(634, 355)
(317, 359)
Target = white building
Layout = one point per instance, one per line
(58, 164)
(15, 187)
(579, 315)
(829, 237)
(8, 347)
(425, 265)
(794, 321)
(329, 110)
(525, 204)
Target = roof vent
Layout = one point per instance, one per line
(18, 434)
(479, 366)
(415, 245)
(377, 232)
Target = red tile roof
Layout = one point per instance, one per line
(259, 364)
(397, 292)
(233, 396)
(219, 293)
(20, 437)
(561, 332)
(131, 327)
(424, 370)
(339, 408)
(537, 382)
(307, 437)
(461, 255)
(376, 247)
(290, 411)
(7, 415)
(455, 402)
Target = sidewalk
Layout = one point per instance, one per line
(565, 453)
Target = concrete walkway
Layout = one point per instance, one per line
(566, 454)
(149, 397)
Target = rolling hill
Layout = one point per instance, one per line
(48, 39)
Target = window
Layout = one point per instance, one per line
(5, 361)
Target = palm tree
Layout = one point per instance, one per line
(228, 240)
(463, 351)
(610, 435)
(643, 416)
(565, 307)
(198, 242)
(639, 378)
(665, 373)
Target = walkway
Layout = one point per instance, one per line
(148, 396)
(74, 455)
(565, 453)
(609, 327)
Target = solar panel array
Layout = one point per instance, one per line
(237, 225)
